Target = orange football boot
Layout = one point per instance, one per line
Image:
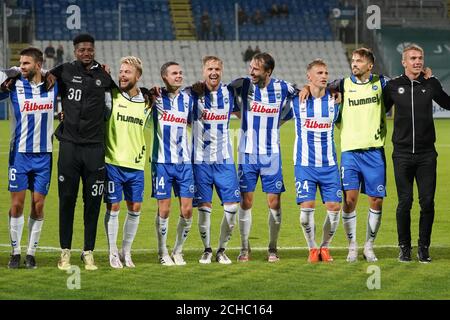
(325, 255)
(313, 255)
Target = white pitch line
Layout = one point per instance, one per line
(52, 249)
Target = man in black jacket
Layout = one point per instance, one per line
(84, 86)
(414, 153)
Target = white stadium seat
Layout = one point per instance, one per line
(291, 57)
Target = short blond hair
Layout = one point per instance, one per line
(411, 47)
(211, 58)
(133, 61)
(316, 62)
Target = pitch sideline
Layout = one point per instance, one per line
(55, 249)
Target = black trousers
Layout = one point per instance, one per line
(421, 167)
(88, 163)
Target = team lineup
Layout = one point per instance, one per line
(102, 142)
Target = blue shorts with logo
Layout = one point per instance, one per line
(221, 176)
(120, 180)
(31, 171)
(365, 170)
(166, 176)
(307, 179)
(267, 166)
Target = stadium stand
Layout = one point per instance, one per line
(147, 31)
(291, 58)
(152, 20)
(1, 52)
(141, 20)
(413, 13)
(307, 20)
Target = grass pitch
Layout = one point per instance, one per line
(291, 278)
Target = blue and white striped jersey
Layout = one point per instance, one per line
(210, 132)
(32, 110)
(171, 116)
(262, 110)
(314, 131)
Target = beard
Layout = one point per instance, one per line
(128, 86)
(31, 74)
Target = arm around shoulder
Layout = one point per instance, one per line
(439, 95)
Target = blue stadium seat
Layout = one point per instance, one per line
(103, 17)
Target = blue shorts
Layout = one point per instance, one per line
(120, 180)
(30, 171)
(366, 170)
(307, 179)
(221, 176)
(267, 166)
(167, 175)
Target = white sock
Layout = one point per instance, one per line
(204, 225)
(34, 233)
(129, 230)
(15, 232)
(245, 224)
(373, 224)
(349, 222)
(329, 227)
(308, 226)
(227, 225)
(274, 227)
(183, 228)
(162, 227)
(112, 229)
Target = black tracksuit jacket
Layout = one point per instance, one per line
(413, 119)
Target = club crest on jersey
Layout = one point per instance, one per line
(375, 87)
(279, 185)
(226, 100)
(98, 82)
(401, 90)
(380, 188)
(331, 109)
(278, 95)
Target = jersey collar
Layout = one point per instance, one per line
(353, 78)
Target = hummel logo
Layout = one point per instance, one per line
(13, 186)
